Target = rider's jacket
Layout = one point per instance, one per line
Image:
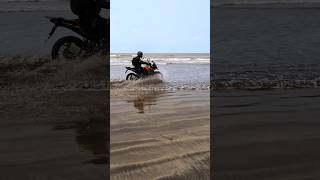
(91, 22)
(88, 7)
(137, 62)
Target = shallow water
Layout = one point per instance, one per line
(266, 48)
(178, 73)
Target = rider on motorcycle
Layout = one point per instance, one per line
(90, 21)
(137, 62)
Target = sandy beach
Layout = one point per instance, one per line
(160, 129)
(266, 134)
(160, 135)
(53, 134)
(266, 90)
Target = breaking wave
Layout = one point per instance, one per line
(125, 59)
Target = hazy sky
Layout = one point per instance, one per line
(160, 26)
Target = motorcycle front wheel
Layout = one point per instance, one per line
(68, 47)
(132, 77)
(158, 75)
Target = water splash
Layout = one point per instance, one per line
(42, 72)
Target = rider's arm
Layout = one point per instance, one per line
(142, 62)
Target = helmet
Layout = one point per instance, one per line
(140, 54)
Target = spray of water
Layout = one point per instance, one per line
(42, 72)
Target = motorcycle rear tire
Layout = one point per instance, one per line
(132, 77)
(65, 41)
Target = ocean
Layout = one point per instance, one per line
(181, 71)
(265, 92)
(266, 48)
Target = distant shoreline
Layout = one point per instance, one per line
(313, 5)
(32, 11)
(31, 6)
(155, 54)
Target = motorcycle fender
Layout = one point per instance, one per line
(53, 30)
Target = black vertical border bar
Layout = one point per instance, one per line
(108, 96)
(211, 86)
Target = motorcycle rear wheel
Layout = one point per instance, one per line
(68, 47)
(132, 77)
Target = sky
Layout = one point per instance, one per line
(160, 26)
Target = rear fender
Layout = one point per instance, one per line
(129, 69)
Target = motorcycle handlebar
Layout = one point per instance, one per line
(54, 20)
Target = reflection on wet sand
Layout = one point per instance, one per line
(146, 99)
(92, 133)
(93, 136)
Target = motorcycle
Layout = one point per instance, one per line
(149, 71)
(71, 47)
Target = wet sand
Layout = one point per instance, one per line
(53, 134)
(266, 134)
(159, 135)
(54, 119)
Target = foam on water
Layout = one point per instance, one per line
(155, 85)
(266, 76)
(125, 59)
